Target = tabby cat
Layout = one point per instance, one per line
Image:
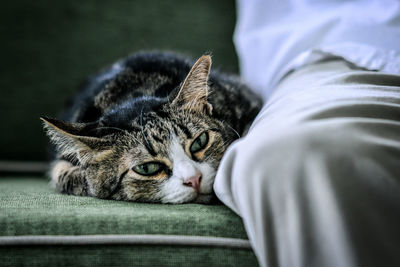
(150, 128)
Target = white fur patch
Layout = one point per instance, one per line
(173, 190)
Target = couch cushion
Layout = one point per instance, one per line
(36, 222)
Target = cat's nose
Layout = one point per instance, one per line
(193, 181)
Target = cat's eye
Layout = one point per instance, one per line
(149, 169)
(199, 143)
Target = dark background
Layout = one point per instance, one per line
(49, 47)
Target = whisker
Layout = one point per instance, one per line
(232, 129)
(113, 128)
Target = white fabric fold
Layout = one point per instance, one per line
(317, 179)
(275, 37)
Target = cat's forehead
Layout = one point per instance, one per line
(152, 135)
(167, 122)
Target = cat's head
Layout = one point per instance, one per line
(161, 151)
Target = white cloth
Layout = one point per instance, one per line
(274, 37)
(317, 178)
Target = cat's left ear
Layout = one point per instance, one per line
(71, 138)
(193, 92)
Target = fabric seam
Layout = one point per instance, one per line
(176, 240)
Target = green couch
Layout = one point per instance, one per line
(40, 227)
(49, 47)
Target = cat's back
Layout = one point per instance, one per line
(151, 74)
(157, 76)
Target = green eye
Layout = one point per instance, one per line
(199, 143)
(148, 169)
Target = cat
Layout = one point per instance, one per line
(153, 127)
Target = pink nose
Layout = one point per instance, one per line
(193, 181)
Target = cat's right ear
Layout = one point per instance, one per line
(193, 92)
(71, 140)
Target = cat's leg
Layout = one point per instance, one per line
(68, 178)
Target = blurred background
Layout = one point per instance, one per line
(49, 47)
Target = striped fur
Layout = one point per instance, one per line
(140, 110)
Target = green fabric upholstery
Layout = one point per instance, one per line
(31, 207)
(28, 206)
(155, 256)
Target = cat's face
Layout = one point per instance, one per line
(172, 159)
(168, 154)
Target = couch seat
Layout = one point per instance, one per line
(41, 227)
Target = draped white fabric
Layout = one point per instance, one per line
(275, 36)
(317, 178)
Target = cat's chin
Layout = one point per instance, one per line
(204, 199)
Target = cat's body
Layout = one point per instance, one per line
(150, 128)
